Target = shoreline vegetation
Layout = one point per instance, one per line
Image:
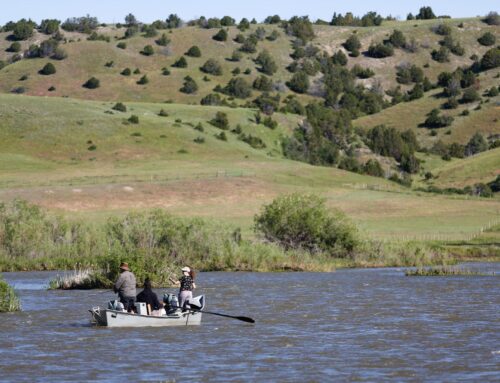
(9, 301)
(295, 233)
(444, 271)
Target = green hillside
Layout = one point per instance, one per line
(46, 159)
(63, 146)
(412, 114)
(481, 168)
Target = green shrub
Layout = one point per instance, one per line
(148, 50)
(163, 41)
(238, 87)
(492, 19)
(303, 222)
(220, 36)
(220, 121)
(92, 83)
(133, 119)
(470, 95)
(488, 39)
(380, 50)
(212, 99)
(143, 80)
(435, 120)
(267, 63)
(491, 59)
(194, 51)
(443, 30)
(270, 123)
(236, 56)
(23, 30)
(122, 45)
(199, 140)
(221, 136)
(48, 69)
(339, 58)
(254, 141)
(126, 72)
(212, 67)
(94, 36)
(373, 168)
(163, 113)
(59, 54)
(442, 55)
(397, 39)
(190, 86)
(180, 63)
(120, 107)
(352, 44)
(299, 82)
(14, 47)
(49, 26)
(263, 83)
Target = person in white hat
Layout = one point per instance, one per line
(186, 283)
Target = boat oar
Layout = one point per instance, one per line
(241, 318)
(244, 319)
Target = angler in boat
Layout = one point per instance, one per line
(125, 287)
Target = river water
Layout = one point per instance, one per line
(352, 325)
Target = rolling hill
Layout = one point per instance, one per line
(67, 149)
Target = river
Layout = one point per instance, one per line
(360, 325)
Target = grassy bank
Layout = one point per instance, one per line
(156, 244)
(8, 299)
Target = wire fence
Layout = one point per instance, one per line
(434, 236)
(132, 179)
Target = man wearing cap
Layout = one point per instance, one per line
(125, 287)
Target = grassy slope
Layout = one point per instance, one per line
(483, 167)
(45, 159)
(87, 59)
(461, 130)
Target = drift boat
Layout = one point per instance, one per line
(114, 317)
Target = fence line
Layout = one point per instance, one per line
(439, 236)
(116, 179)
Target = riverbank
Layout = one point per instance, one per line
(157, 244)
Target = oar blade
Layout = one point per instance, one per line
(246, 319)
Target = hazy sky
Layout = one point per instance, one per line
(149, 10)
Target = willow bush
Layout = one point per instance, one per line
(299, 221)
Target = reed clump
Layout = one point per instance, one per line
(9, 301)
(442, 271)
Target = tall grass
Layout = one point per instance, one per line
(156, 244)
(8, 299)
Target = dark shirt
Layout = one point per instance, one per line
(148, 296)
(186, 283)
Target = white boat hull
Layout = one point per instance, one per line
(112, 318)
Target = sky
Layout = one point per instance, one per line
(112, 11)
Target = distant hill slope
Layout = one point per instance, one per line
(483, 167)
(410, 115)
(88, 58)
